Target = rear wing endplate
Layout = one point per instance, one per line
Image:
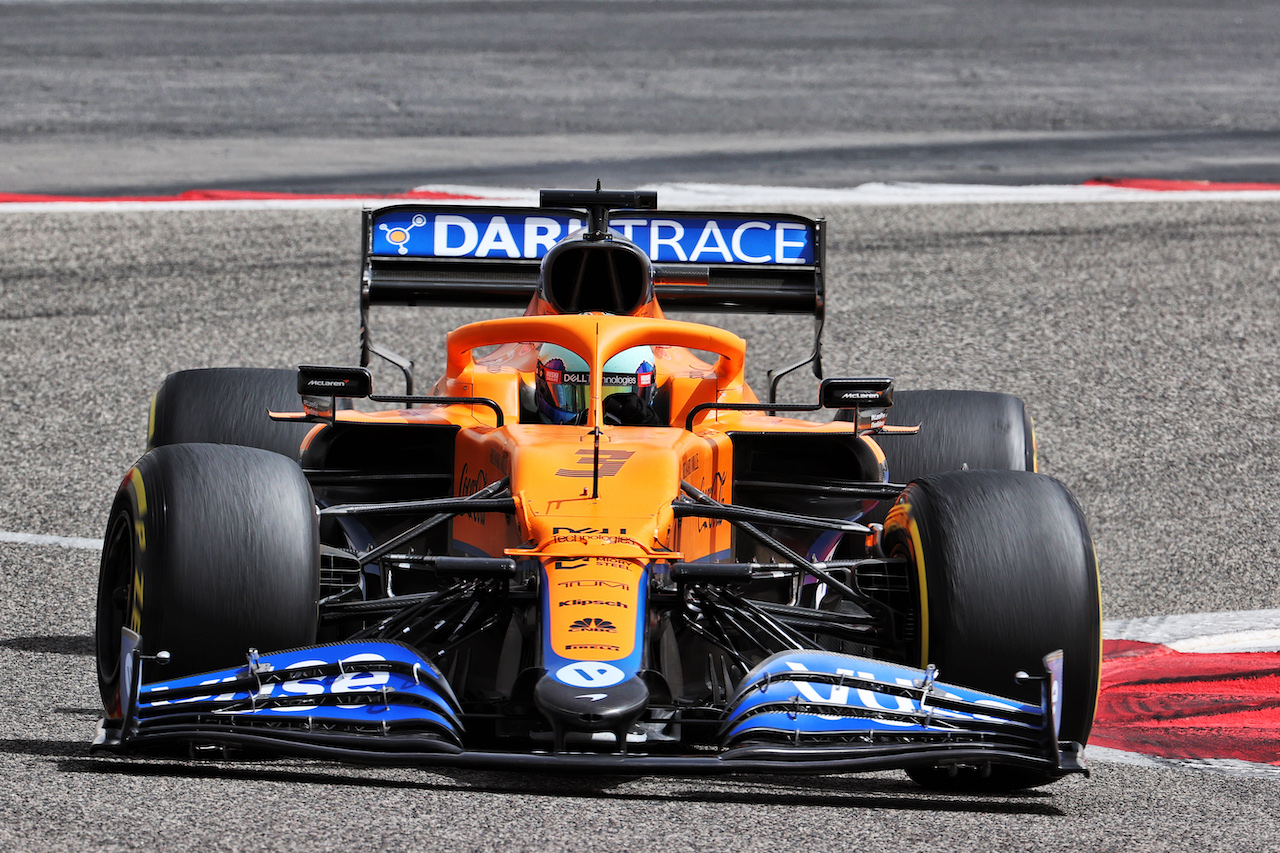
(464, 256)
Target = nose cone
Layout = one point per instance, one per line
(591, 709)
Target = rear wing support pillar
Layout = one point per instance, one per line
(368, 348)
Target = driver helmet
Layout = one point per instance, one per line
(631, 372)
(563, 385)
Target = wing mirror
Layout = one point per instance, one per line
(320, 386)
(868, 397)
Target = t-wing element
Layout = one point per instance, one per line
(599, 203)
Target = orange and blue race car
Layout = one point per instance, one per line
(591, 546)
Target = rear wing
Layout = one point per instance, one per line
(465, 256)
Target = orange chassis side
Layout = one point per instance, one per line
(594, 500)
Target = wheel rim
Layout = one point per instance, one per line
(115, 595)
(902, 541)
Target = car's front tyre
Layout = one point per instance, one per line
(1005, 573)
(209, 550)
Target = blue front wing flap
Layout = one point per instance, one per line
(800, 711)
(844, 704)
(376, 696)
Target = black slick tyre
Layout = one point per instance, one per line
(1006, 573)
(978, 430)
(210, 550)
(959, 430)
(228, 405)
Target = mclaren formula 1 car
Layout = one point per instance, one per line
(591, 546)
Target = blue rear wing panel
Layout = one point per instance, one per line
(527, 234)
(489, 256)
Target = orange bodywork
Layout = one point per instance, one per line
(594, 500)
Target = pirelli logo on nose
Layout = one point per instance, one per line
(611, 462)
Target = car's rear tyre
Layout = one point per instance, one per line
(210, 550)
(974, 430)
(228, 405)
(1006, 573)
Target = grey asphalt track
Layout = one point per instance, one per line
(1143, 337)
(121, 97)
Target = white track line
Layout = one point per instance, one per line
(1222, 766)
(108, 206)
(1239, 631)
(692, 196)
(55, 541)
(1237, 641)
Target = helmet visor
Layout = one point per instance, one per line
(639, 383)
(566, 392)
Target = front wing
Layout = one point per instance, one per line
(797, 711)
